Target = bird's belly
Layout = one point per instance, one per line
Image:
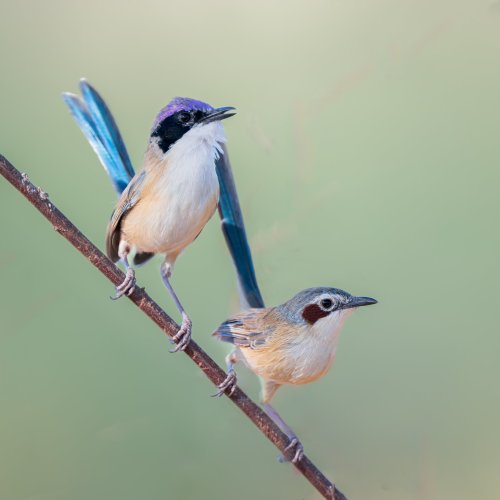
(299, 363)
(173, 212)
(311, 366)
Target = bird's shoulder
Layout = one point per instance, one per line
(130, 196)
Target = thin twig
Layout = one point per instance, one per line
(40, 200)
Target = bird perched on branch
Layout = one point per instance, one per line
(165, 206)
(293, 343)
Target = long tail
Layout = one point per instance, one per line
(98, 126)
(233, 228)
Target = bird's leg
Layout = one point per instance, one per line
(294, 441)
(183, 336)
(128, 284)
(230, 381)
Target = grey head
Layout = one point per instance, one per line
(182, 114)
(312, 304)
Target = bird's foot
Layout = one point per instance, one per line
(228, 383)
(183, 336)
(295, 448)
(127, 286)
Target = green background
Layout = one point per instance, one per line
(366, 151)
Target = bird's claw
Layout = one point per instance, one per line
(127, 286)
(299, 452)
(183, 336)
(228, 383)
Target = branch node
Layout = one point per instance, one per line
(43, 195)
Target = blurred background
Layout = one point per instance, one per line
(367, 155)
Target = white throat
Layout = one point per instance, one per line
(313, 355)
(327, 330)
(203, 143)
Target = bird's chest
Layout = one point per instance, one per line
(311, 357)
(179, 200)
(305, 353)
(188, 190)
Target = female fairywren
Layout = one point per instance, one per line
(293, 343)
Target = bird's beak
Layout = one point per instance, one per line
(358, 302)
(217, 114)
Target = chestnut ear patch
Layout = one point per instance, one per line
(313, 312)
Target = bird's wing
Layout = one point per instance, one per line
(247, 329)
(128, 199)
(97, 124)
(233, 228)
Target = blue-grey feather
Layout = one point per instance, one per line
(106, 125)
(84, 120)
(109, 152)
(224, 333)
(233, 228)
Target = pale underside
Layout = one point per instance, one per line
(169, 202)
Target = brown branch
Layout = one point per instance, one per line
(40, 200)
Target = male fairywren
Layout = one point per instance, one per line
(293, 343)
(165, 206)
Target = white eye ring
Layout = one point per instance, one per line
(326, 304)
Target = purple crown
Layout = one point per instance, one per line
(180, 104)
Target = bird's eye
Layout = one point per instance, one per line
(326, 304)
(184, 117)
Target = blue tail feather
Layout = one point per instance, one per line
(99, 128)
(106, 125)
(233, 228)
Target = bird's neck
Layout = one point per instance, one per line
(326, 331)
(202, 145)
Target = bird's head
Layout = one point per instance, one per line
(323, 308)
(182, 115)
